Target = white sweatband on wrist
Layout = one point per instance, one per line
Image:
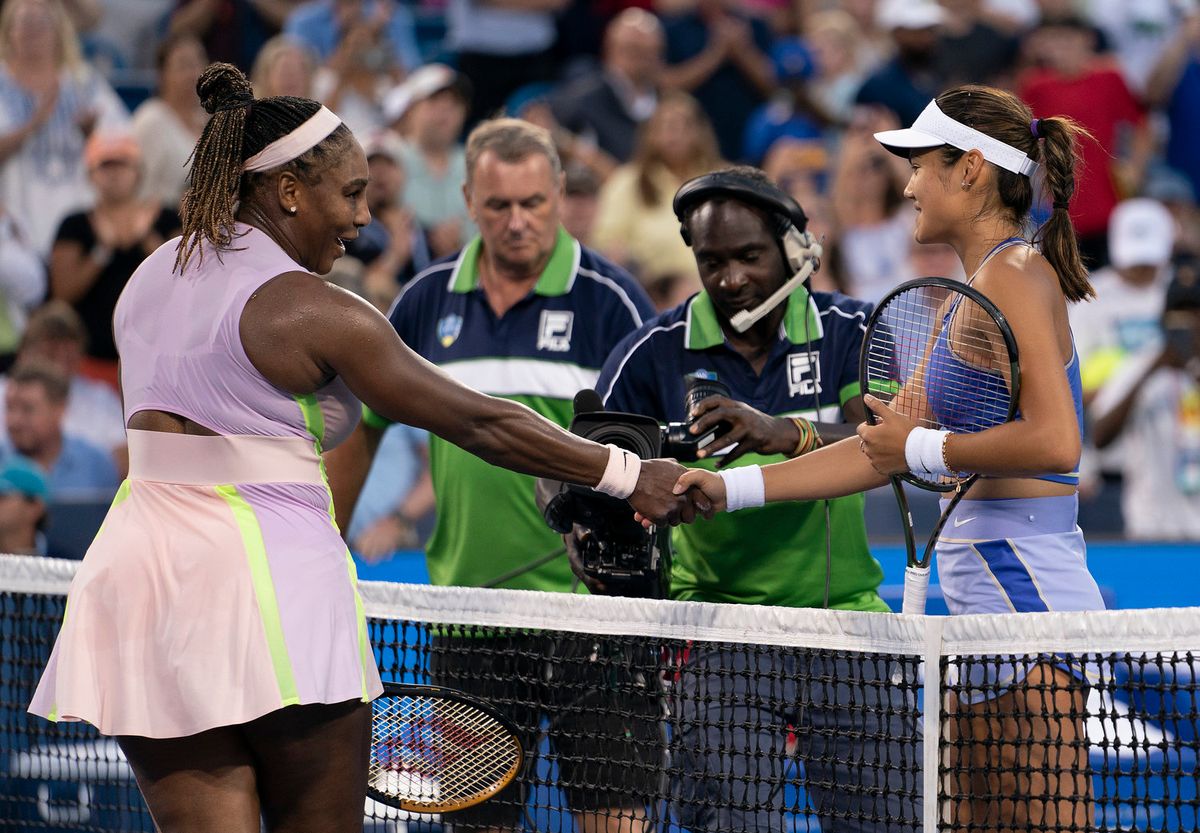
(923, 452)
(744, 488)
(621, 474)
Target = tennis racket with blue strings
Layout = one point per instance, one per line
(940, 353)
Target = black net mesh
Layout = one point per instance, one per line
(629, 732)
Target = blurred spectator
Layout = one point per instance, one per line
(581, 202)
(50, 100)
(22, 281)
(396, 497)
(35, 400)
(502, 45)
(95, 252)
(24, 494)
(364, 50)
(168, 125)
(607, 105)
(128, 36)
(1174, 190)
(284, 67)
(56, 336)
(1125, 314)
(875, 41)
(934, 260)
(1076, 83)
(875, 222)
(973, 51)
(801, 168)
(906, 83)
(840, 62)
(231, 30)
(532, 103)
(635, 224)
(1137, 32)
(720, 55)
(382, 30)
(1119, 322)
(1153, 402)
(791, 112)
(1174, 86)
(393, 247)
(428, 111)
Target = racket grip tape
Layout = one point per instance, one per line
(916, 589)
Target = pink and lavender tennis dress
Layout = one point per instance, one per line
(218, 588)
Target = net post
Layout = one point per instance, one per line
(931, 738)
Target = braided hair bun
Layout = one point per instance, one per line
(223, 87)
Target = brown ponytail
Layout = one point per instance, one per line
(1051, 143)
(1057, 235)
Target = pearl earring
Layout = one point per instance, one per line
(292, 209)
(966, 186)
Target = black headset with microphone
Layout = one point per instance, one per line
(788, 222)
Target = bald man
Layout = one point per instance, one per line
(608, 105)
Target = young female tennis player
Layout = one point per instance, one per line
(1012, 545)
(215, 625)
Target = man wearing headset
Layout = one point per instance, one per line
(790, 360)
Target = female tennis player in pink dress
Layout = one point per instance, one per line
(214, 626)
(1015, 735)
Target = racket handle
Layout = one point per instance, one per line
(916, 588)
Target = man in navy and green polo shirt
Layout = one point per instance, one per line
(793, 372)
(525, 312)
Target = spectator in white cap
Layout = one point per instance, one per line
(1120, 322)
(428, 111)
(1129, 293)
(905, 84)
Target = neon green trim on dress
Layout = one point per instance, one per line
(264, 591)
(314, 423)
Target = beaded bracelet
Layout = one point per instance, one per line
(810, 438)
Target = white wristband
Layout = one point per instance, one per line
(923, 452)
(744, 488)
(621, 474)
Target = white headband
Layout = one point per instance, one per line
(295, 144)
(933, 128)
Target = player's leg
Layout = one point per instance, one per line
(312, 766)
(1019, 761)
(198, 783)
(860, 743)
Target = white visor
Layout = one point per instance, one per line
(933, 128)
(295, 144)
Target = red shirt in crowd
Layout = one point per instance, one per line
(1101, 102)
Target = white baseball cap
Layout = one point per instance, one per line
(909, 14)
(418, 86)
(1141, 232)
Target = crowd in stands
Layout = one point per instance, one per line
(98, 116)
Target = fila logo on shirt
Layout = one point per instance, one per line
(803, 378)
(554, 332)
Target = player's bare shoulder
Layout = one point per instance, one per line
(1019, 278)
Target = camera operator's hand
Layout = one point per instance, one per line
(751, 430)
(655, 500)
(572, 541)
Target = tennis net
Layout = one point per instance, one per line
(679, 716)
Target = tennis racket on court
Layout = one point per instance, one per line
(939, 341)
(436, 750)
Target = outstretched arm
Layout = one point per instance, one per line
(286, 329)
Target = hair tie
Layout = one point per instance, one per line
(1033, 128)
(1060, 205)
